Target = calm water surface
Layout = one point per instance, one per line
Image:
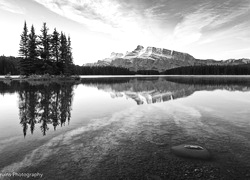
(124, 128)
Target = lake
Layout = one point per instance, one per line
(125, 128)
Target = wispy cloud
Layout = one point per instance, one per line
(122, 22)
(208, 17)
(103, 16)
(157, 11)
(7, 6)
(172, 24)
(239, 32)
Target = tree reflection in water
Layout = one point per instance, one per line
(44, 104)
(49, 104)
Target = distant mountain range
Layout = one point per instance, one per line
(160, 59)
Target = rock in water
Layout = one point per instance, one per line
(191, 151)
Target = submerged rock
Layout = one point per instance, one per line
(191, 151)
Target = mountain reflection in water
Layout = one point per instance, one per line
(43, 104)
(148, 90)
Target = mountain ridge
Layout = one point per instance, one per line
(160, 59)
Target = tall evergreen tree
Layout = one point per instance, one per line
(63, 52)
(27, 64)
(69, 58)
(55, 43)
(32, 44)
(69, 51)
(45, 46)
(63, 47)
(23, 50)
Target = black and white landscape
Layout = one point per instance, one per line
(136, 89)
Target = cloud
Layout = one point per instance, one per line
(208, 17)
(157, 11)
(7, 6)
(238, 33)
(102, 16)
(123, 23)
(170, 24)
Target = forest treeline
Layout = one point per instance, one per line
(12, 65)
(210, 70)
(9, 65)
(101, 70)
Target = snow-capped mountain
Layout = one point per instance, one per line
(160, 59)
(152, 53)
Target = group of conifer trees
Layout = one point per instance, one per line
(45, 53)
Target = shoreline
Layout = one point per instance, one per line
(17, 77)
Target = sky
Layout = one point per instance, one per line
(206, 29)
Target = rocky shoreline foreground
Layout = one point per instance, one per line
(141, 161)
(151, 162)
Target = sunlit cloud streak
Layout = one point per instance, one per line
(7, 6)
(103, 16)
(207, 18)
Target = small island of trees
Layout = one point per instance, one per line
(45, 53)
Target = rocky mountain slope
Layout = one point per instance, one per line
(160, 59)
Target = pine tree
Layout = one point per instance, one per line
(63, 48)
(45, 46)
(27, 64)
(63, 52)
(55, 43)
(23, 51)
(69, 58)
(69, 51)
(32, 44)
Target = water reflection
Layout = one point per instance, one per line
(49, 104)
(155, 90)
(130, 140)
(43, 105)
